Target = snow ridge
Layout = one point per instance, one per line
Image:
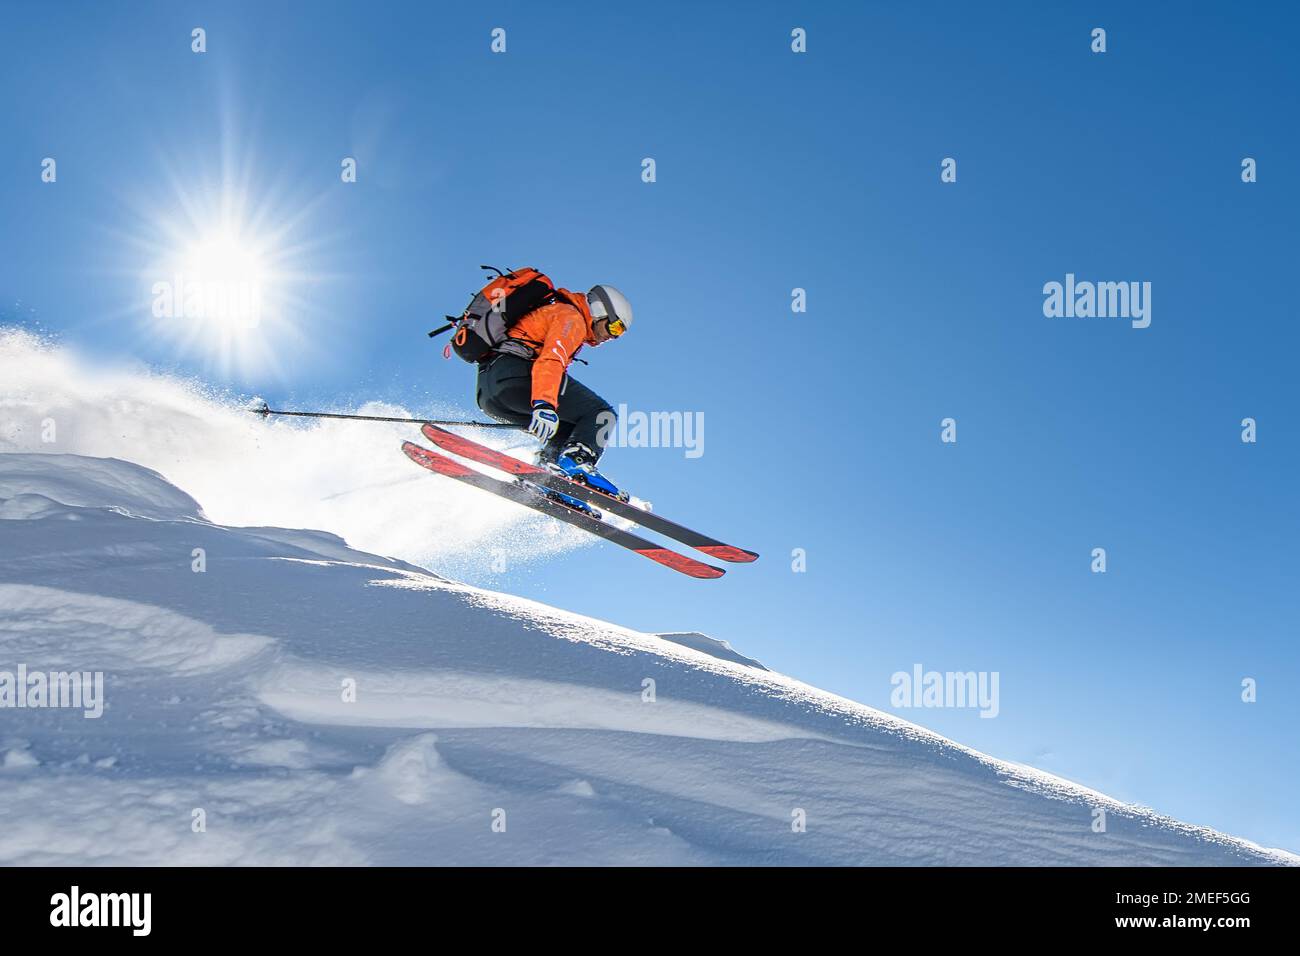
(286, 699)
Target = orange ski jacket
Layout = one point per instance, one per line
(554, 334)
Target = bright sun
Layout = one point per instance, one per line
(223, 282)
(223, 295)
(230, 271)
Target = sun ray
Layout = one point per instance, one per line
(223, 258)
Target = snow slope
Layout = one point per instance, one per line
(224, 694)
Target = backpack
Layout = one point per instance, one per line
(493, 310)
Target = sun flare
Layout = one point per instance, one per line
(229, 282)
(223, 281)
(228, 263)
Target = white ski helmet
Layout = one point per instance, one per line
(606, 302)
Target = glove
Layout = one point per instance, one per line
(545, 422)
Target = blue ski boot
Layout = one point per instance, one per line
(578, 463)
(543, 458)
(577, 504)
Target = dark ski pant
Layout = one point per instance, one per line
(505, 392)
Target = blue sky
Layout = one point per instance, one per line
(776, 171)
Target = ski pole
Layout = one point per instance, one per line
(264, 411)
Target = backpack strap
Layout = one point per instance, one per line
(567, 297)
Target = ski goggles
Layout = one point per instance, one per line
(616, 327)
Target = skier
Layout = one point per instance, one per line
(526, 381)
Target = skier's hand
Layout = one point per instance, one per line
(545, 422)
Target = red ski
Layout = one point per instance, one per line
(521, 494)
(449, 441)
